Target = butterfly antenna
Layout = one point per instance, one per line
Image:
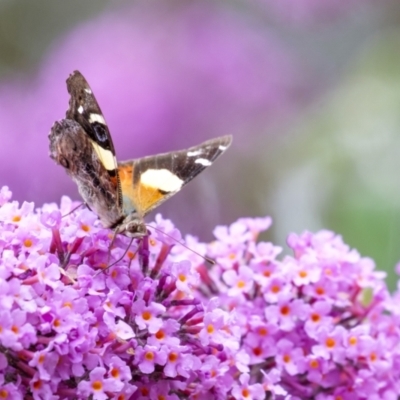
(119, 259)
(111, 245)
(73, 210)
(207, 259)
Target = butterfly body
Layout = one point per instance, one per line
(121, 193)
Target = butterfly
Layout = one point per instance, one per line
(120, 193)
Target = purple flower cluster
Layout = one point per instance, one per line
(79, 321)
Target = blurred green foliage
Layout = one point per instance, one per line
(29, 28)
(344, 158)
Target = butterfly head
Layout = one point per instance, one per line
(132, 226)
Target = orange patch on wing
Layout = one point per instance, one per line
(114, 180)
(125, 173)
(142, 196)
(146, 197)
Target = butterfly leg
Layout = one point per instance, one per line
(75, 208)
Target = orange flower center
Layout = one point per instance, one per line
(286, 358)
(85, 227)
(257, 351)
(149, 356)
(330, 342)
(315, 317)
(37, 385)
(146, 315)
(303, 274)
(320, 291)
(241, 284)
(352, 340)
(160, 335)
(263, 331)
(97, 385)
(275, 289)
(210, 328)
(285, 310)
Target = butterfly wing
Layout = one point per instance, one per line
(84, 109)
(147, 182)
(71, 148)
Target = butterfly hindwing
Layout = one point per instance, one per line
(147, 182)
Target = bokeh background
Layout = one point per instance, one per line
(309, 89)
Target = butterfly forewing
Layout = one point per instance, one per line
(84, 109)
(147, 182)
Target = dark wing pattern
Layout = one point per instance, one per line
(72, 148)
(84, 109)
(147, 182)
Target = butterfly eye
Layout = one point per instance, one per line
(64, 162)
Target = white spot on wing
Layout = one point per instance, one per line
(87, 90)
(161, 179)
(80, 109)
(106, 156)
(193, 153)
(203, 161)
(96, 118)
(222, 148)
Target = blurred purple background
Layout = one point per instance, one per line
(306, 87)
(167, 76)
